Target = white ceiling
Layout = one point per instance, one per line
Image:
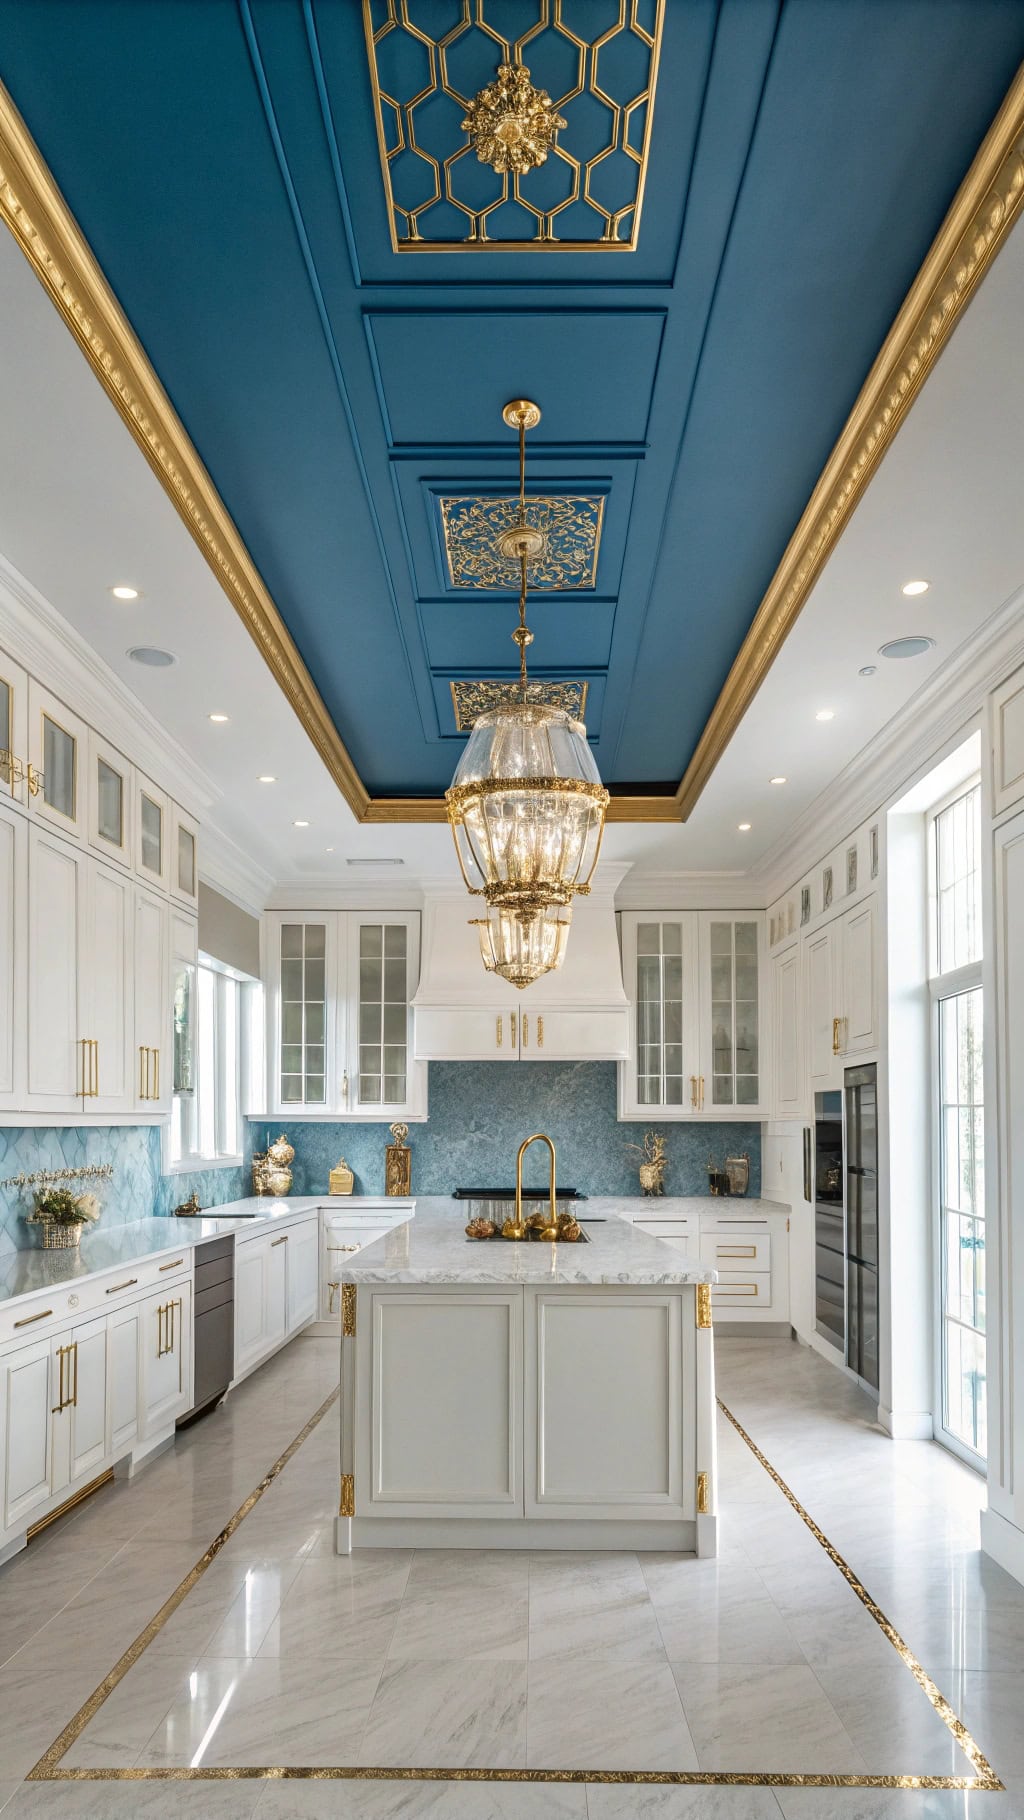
(81, 510)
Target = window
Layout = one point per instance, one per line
(959, 1100)
(206, 1111)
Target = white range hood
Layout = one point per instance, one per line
(579, 1013)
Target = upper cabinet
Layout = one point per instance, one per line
(90, 852)
(841, 993)
(1007, 724)
(696, 982)
(339, 1023)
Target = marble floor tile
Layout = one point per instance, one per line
(453, 1714)
(753, 1717)
(592, 1608)
(267, 1711)
(604, 1711)
(897, 1804)
(467, 1619)
(991, 1705)
(135, 1801)
(423, 1801)
(607, 1802)
(891, 1720)
(253, 1610)
(130, 1715)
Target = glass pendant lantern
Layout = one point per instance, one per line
(526, 805)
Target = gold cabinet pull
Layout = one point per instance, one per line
(128, 1284)
(497, 1033)
(142, 1070)
(736, 1251)
(156, 1074)
(94, 1051)
(344, 1247)
(173, 1265)
(55, 1408)
(749, 1289)
(34, 779)
(835, 1036)
(526, 1030)
(332, 1289)
(512, 1028)
(28, 1319)
(700, 1078)
(283, 1240)
(160, 1330)
(74, 1364)
(540, 1033)
(82, 1076)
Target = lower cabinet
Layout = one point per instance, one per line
(165, 1332)
(124, 1358)
(749, 1253)
(277, 1277)
(78, 1378)
(27, 1433)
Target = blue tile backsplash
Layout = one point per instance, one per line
(479, 1114)
(137, 1190)
(481, 1111)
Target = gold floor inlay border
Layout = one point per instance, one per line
(50, 1769)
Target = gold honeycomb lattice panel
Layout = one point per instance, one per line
(471, 699)
(587, 195)
(571, 522)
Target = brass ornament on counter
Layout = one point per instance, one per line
(481, 1229)
(341, 1179)
(512, 125)
(653, 1162)
(398, 1163)
(271, 1168)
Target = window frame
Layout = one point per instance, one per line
(943, 986)
(232, 996)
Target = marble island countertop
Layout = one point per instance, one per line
(433, 1248)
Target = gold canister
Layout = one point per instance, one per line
(398, 1163)
(342, 1180)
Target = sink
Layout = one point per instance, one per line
(533, 1239)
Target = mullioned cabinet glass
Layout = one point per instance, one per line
(303, 1014)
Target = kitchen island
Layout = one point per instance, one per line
(529, 1394)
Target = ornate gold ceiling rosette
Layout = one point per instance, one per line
(470, 699)
(471, 524)
(531, 119)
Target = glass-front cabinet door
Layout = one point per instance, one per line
(13, 730)
(382, 968)
(110, 802)
(302, 1060)
(152, 839)
(56, 772)
(731, 965)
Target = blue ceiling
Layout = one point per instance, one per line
(222, 160)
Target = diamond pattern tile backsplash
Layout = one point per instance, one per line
(136, 1191)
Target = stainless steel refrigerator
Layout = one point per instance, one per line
(860, 1120)
(829, 1224)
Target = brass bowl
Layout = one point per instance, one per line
(480, 1229)
(569, 1230)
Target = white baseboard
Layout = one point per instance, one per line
(907, 1424)
(522, 1533)
(1003, 1541)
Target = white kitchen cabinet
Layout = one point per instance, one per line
(822, 978)
(339, 1026)
(152, 834)
(124, 1359)
(699, 1016)
(57, 747)
(110, 802)
(604, 1430)
(184, 857)
(1007, 711)
(276, 1323)
(104, 991)
(841, 988)
(303, 1274)
(342, 1234)
(859, 1028)
(786, 1019)
(78, 1377)
(166, 1346)
(252, 1261)
(25, 1378)
(423, 1355)
(58, 1063)
(13, 731)
(151, 1074)
(13, 877)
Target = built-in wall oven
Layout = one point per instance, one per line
(829, 1221)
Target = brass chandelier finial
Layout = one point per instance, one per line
(511, 123)
(526, 805)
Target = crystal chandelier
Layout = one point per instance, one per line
(526, 805)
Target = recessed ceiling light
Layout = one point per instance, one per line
(825, 714)
(914, 587)
(266, 778)
(906, 647)
(328, 849)
(151, 657)
(218, 717)
(300, 824)
(777, 780)
(375, 862)
(744, 827)
(123, 592)
(867, 670)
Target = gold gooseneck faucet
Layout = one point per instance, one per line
(518, 1227)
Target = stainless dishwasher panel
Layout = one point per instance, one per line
(213, 1322)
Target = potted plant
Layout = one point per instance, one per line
(60, 1216)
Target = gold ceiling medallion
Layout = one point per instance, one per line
(526, 805)
(471, 699)
(512, 125)
(587, 199)
(571, 524)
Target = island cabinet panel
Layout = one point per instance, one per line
(446, 1376)
(604, 1407)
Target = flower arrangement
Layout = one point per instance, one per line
(60, 1215)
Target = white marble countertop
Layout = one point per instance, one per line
(433, 1248)
(682, 1206)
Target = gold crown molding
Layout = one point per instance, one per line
(37, 215)
(983, 211)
